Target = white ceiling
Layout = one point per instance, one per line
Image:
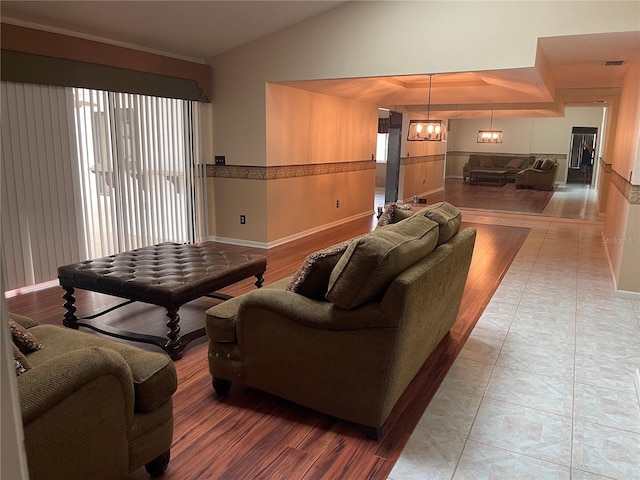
(199, 30)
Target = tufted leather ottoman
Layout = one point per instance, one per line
(168, 275)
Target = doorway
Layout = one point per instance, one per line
(581, 138)
(388, 157)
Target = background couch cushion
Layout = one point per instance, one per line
(154, 374)
(547, 164)
(486, 162)
(446, 216)
(514, 163)
(370, 263)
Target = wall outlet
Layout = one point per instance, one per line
(338, 203)
(220, 159)
(243, 219)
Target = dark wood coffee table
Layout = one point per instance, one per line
(488, 173)
(168, 275)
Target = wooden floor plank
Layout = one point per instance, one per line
(251, 434)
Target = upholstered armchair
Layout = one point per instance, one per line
(92, 408)
(541, 176)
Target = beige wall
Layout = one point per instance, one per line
(355, 48)
(306, 135)
(303, 205)
(310, 128)
(622, 223)
(234, 197)
(420, 176)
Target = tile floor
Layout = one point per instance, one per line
(544, 387)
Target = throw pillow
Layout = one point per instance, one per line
(547, 164)
(485, 162)
(312, 278)
(393, 213)
(25, 341)
(370, 263)
(514, 163)
(20, 362)
(537, 164)
(447, 217)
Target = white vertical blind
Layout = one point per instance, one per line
(39, 183)
(88, 173)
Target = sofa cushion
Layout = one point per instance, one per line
(24, 340)
(547, 164)
(514, 163)
(485, 162)
(312, 278)
(370, 263)
(446, 216)
(393, 213)
(537, 164)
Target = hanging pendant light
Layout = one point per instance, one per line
(491, 135)
(427, 130)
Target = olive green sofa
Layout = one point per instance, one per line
(349, 331)
(92, 407)
(511, 163)
(540, 176)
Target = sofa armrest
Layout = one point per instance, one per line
(51, 383)
(312, 313)
(26, 322)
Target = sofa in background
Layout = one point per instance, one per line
(92, 407)
(349, 331)
(512, 163)
(541, 176)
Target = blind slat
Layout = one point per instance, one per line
(87, 173)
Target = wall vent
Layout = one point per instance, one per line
(612, 63)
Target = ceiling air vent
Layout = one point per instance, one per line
(612, 63)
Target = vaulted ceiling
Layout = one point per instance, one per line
(585, 69)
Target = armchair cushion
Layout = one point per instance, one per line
(48, 384)
(514, 163)
(447, 217)
(547, 164)
(485, 162)
(154, 377)
(379, 257)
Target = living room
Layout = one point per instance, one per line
(262, 83)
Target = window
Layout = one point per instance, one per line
(88, 173)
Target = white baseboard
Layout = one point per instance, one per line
(237, 241)
(626, 294)
(311, 231)
(619, 293)
(424, 194)
(290, 238)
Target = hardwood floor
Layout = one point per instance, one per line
(254, 435)
(494, 197)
